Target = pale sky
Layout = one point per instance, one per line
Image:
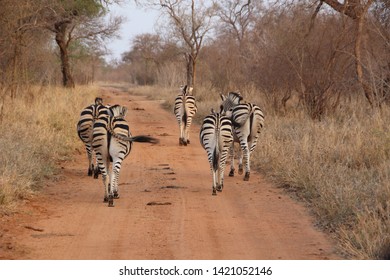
(138, 21)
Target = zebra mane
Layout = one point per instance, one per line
(186, 90)
(98, 101)
(233, 95)
(118, 110)
(230, 101)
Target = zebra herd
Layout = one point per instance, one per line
(235, 122)
(106, 134)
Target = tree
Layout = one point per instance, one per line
(236, 17)
(20, 38)
(190, 24)
(357, 10)
(76, 20)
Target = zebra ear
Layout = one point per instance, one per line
(183, 88)
(223, 97)
(190, 90)
(124, 111)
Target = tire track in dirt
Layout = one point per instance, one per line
(166, 210)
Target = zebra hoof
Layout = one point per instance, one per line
(214, 192)
(182, 142)
(116, 195)
(240, 170)
(188, 141)
(219, 188)
(231, 173)
(96, 172)
(246, 177)
(111, 201)
(105, 199)
(89, 172)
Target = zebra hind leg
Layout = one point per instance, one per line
(96, 172)
(116, 194)
(240, 169)
(110, 197)
(110, 200)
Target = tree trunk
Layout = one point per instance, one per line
(67, 79)
(190, 70)
(193, 72)
(368, 92)
(357, 11)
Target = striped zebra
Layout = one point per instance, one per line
(247, 120)
(216, 138)
(185, 109)
(84, 131)
(112, 142)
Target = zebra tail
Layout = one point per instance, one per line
(216, 152)
(144, 139)
(215, 158)
(184, 118)
(139, 138)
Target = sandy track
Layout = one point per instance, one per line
(166, 210)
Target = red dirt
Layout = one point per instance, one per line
(166, 210)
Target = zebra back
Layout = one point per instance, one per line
(242, 112)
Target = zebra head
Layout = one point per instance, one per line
(186, 90)
(229, 102)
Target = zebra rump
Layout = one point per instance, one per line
(85, 131)
(184, 110)
(113, 143)
(216, 138)
(247, 120)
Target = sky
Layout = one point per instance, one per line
(138, 21)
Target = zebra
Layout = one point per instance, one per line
(84, 131)
(184, 110)
(112, 142)
(216, 138)
(247, 120)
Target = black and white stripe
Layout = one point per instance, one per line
(216, 138)
(185, 109)
(112, 142)
(85, 130)
(247, 120)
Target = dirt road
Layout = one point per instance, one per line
(166, 210)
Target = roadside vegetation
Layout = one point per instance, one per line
(38, 131)
(339, 167)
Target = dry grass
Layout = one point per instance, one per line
(340, 166)
(38, 131)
